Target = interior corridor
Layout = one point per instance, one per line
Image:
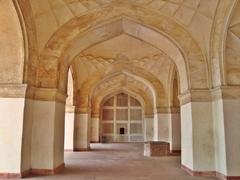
(119, 161)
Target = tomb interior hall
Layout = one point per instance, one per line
(120, 89)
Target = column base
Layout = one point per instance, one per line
(209, 174)
(199, 173)
(223, 177)
(23, 174)
(81, 149)
(56, 170)
(30, 172)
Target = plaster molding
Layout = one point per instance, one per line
(82, 110)
(195, 95)
(221, 92)
(168, 110)
(47, 94)
(95, 115)
(226, 92)
(13, 90)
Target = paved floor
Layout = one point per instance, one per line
(119, 162)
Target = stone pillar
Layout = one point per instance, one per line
(226, 116)
(15, 146)
(164, 119)
(155, 127)
(169, 127)
(148, 128)
(69, 128)
(95, 120)
(47, 155)
(197, 133)
(175, 130)
(81, 131)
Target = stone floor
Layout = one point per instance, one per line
(119, 162)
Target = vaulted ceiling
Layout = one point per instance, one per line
(195, 16)
(150, 39)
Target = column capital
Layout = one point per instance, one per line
(46, 94)
(13, 90)
(167, 110)
(149, 116)
(69, 108)
(95, 115)
(82, 110)
(195, 95)
(226, 92)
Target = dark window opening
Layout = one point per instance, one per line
(122, 131)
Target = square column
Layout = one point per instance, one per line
(175, 132)
(81, 132)
(197, 138)
(69, 128)
(169, 127)
(164, 126)
(95, 128)
(11, 123)
(14, 147)
(226, 116)
(48, 137)
(148, 128)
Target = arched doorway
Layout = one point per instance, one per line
(122, 119)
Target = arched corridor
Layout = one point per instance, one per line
(165, 73)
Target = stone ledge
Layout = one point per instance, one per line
(13, 90)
